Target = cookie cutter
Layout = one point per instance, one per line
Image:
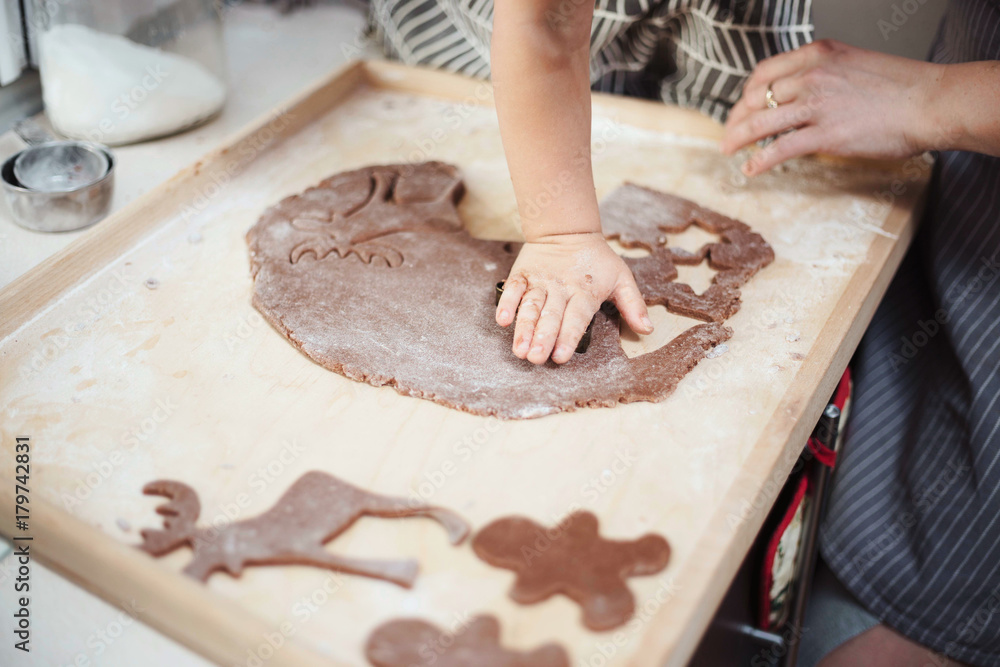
(584, 343)
(57, 186)
(61, 166)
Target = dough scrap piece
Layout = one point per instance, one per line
(574, 560)
(314, 510)
(372, 275)
(404, 642)
(639, 217)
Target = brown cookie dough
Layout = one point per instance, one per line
(641, 218)
(572, 559)
(405, 642)
(314, 510)
(372, 275)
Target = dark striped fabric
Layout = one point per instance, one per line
(913, 527)
(695, 53)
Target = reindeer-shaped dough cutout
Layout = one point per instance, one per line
(316, 509)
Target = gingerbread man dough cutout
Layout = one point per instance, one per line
(409, 641)
(574, 560)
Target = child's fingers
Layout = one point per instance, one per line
(547, 328)
(513, 290)
(579, 311)
(631, 305)
(527, 316)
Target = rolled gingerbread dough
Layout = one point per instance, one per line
(372, 275)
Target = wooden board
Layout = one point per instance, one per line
(135, 355)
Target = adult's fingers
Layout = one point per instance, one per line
(777, 70)
(579, 312)
(786, 90)
(786, 64)
(631, 305)
(547, 328)
(527, 317)
(764, 123)
(513, 290)
(794, 144)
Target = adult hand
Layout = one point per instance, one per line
(839, 100)
(556, 285)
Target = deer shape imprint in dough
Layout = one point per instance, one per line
(313, 511)
(347, 214)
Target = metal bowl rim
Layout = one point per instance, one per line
(88, 144)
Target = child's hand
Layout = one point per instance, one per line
(560, 282)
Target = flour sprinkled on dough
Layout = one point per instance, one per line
(373, 276)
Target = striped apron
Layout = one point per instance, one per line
(695, 53)
(913, 526)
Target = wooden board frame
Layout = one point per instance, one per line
(221, 630)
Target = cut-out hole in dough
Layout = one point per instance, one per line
(666, 327)
(691, 239)
(698, 276)
(628, 252)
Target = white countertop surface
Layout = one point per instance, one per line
(271, 57)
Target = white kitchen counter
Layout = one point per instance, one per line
(271, 57)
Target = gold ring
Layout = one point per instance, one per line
(769, 96)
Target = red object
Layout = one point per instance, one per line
(843, 390)
(772, 550)
(826, 456)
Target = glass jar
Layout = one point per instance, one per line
(121, 71)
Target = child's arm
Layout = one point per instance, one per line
(540, 70)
